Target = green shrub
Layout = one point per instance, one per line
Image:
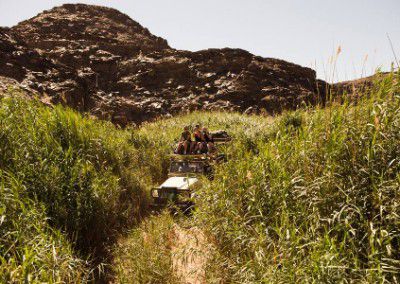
(292, 120)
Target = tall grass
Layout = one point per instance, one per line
(312, 198)
(85, 180)
(85, 172)
(30, 251)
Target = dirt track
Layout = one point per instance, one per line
(190, 253)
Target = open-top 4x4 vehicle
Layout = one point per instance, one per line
(184, 177)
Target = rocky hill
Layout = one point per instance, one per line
(97, 59)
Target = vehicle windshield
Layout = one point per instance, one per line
(186, 167)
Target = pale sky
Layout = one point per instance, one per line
(306, 32)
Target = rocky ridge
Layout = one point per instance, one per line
(97, 59)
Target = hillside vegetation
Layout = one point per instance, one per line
(308, 196)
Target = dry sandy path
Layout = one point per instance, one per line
(190, 253)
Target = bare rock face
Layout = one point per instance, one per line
(36, 73)
(99, 60)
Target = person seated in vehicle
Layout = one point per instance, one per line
(198, 143)
(209, 141)
(184, 142)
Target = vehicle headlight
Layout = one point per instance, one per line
(154, 193)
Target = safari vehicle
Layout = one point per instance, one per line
(183, 179)
(184, 175)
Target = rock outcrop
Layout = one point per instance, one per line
(36, 73)
(97, 59)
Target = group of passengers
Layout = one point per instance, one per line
(201, 143)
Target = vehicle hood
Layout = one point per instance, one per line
(179, 182)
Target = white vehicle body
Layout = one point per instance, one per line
(181, 183)
(174, 185)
